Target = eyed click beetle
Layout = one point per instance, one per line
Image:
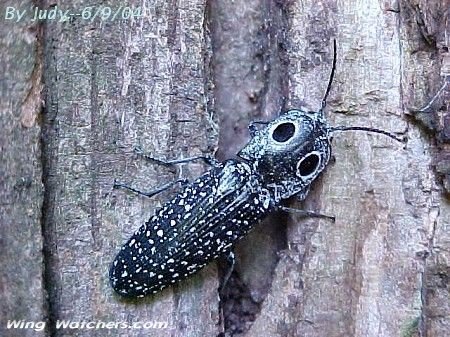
(209, 215)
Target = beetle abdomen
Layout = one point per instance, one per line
(196, 226)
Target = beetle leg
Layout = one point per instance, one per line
(153, 192)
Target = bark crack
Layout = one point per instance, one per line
(95, 223)
(48, 161)
(48, 233)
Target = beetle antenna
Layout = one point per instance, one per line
(367, 129)
(323, 104)
(428, 106)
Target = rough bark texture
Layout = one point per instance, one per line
(21, 192)
(185, 78)
(353, 277)
(111, 87)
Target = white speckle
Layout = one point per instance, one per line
(153, 250)
(181, 203)
(170, 261)
(173, 222)
(229, 233)
(160, 276)
(151, 274)
(160, 233)
(187, 207)
(151, 241)
(191, 268)
(147, 234)
(175, 275)
(132, 242)
(124, 274)
(138, 270)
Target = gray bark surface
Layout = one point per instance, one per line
(112, 87)
(185, 79)
(21, 194)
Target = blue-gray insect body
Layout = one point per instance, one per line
(211, 214)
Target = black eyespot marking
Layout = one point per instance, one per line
(308, 165)
(283, 132)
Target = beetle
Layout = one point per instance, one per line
(208, 216)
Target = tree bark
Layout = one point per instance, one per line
(21, 193)
(114, 86)
(180, 79)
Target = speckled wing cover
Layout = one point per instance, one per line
(199, 224)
